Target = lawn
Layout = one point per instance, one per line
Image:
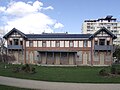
(81, 74)
(3, 87)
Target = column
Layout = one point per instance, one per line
(60, 58)
(46, 56)
(53, 59)
(75, 55)
(68, 57)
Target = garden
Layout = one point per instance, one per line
(77, 74)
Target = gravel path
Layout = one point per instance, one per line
(55, 85)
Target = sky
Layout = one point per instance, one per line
(37, 16)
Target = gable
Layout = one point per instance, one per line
(103, 32)
(14, 33)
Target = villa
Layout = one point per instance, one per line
(61, 48)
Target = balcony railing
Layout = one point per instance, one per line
(103, 47)
(15, 47)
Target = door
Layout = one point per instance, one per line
(102, 58)
(85, 58)
(43, 57)
(71, 58)
(57, 58)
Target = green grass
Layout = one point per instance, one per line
(4, 87)
(63, 74)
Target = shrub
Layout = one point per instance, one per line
(33, 70)
(118, 71)
(25, 68)
(103, 72)
(113, 70)
(16, 69)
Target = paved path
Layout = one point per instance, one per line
(55, 85)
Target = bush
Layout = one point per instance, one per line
(33, 70)
(16, 69)
(103, 72)
(118, 71)
(113, 70)
(25, 68)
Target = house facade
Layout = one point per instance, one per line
(61, 48)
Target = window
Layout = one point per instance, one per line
(85, 43)
(43, 43)
(57, 44)
(88, 30)
(88, 27)
(101, 41)
(108, 27)
(88, 23)
(31, 43)
(21, 42)
(108, 42)
(71, 43)
(16, 42)
(10, 42)
(96, 42)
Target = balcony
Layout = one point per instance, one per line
(103, 47)
(15, 47)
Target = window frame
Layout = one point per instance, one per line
(71, 44)
(57, 43)
(85, 43)
(31, 43)
(16, 41)
(101, 41)
(43, 43)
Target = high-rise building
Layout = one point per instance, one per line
(110, 23)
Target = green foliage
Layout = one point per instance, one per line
(103, 72)
(117, 53)
(115, 69)
(25, 68)
(16, 70)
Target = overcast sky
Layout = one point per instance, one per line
(37, 16)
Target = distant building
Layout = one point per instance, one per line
(91, 26)
(61, 49)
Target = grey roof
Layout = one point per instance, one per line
(58, 35)
(47, 35)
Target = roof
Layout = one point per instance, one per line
(14, 30)
(58, 35)
(103, 29)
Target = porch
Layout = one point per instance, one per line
(57, 58)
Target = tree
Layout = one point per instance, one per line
(117, 53)
(3, 50)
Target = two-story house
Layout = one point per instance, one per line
(61, 48)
